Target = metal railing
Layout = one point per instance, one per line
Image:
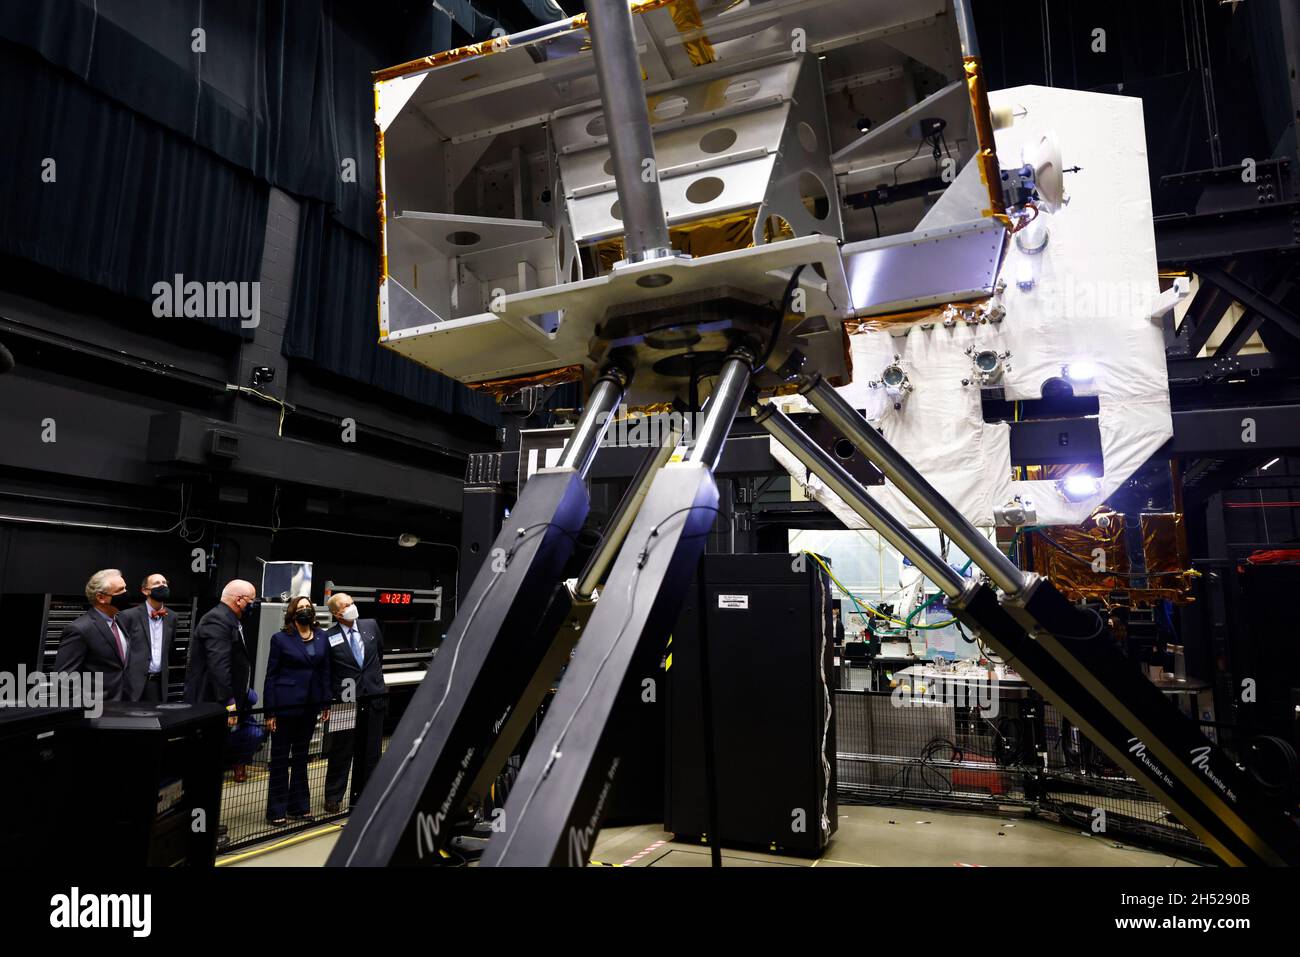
(262, 769)
(1022, 754)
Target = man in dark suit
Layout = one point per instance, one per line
(155, 626)
(219, 668)
(97, 642)
(356, 675)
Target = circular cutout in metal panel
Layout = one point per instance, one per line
(776, 228)
(813, 193)
(719, 140)
(705, 190)
(807, 137)
(464, 237)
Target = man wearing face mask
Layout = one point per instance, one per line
(157, 626)
(356, 675)
(98, 642)
(219, 668)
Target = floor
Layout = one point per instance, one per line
(868, 836)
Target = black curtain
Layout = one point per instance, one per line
(279, 88)
(95, 191)
(334, 320)
(168, 120)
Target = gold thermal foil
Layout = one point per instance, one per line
(1086, 553)
(703, 237)
(1164, 542)
(1082, 574)
(500, 388)
(687, 19)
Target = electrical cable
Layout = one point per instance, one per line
(908, 160)
(865, 608)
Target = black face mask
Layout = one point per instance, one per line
(122, 601)
(303, 617)
(161, 593)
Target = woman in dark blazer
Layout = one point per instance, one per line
(296, 694)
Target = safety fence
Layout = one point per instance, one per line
(309, 770)
(1012, 751)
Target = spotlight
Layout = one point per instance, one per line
(864, 124)
(407, 540)
(1077, 488)
(1080, 372)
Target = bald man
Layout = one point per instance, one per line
(218, 668)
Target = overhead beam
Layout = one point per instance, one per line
(1252, 298)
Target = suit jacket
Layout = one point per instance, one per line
(138, 618)
(369, 677)
(218, 668)
(87, 645)
(297, 674)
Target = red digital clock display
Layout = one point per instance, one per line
(395, 597)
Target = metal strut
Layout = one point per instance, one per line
(492, 653)
(1064, 651)
(560, 797)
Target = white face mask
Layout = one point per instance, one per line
(350, 614)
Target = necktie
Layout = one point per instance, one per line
(117, 636)
(358, 649)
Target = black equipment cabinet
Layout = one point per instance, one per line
(1271, 655)
(31, 742)
(770, 634)
(141, 785)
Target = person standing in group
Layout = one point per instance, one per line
(295, 695)
(157, 625)
(219, 668)
(357, 675)
(98, 642)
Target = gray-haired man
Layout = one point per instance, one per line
(356, 648)
(97, 642)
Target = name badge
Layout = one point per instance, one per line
(336, 640)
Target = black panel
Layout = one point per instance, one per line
(771, 670)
